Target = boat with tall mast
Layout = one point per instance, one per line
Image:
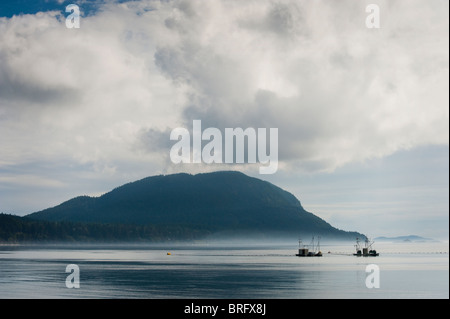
(367, 250)
(312, 251)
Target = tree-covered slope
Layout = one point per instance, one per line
(220, 202)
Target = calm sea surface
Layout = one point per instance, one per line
(406, 270)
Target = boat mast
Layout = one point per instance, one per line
(369, 243)
(358, 245)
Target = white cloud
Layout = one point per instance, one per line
(78, 94)
(338, 91)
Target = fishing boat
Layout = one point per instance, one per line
(367, 250)
(312, 251)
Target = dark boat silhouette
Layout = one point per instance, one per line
(367, 250)
(312, 251)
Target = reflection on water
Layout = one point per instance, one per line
(221, 272)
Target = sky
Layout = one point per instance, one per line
(362, 113)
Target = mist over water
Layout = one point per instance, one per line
(223, 270)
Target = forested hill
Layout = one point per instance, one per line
(223, 202)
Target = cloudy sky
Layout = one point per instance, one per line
(362, 113)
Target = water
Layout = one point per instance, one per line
(216, 271)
